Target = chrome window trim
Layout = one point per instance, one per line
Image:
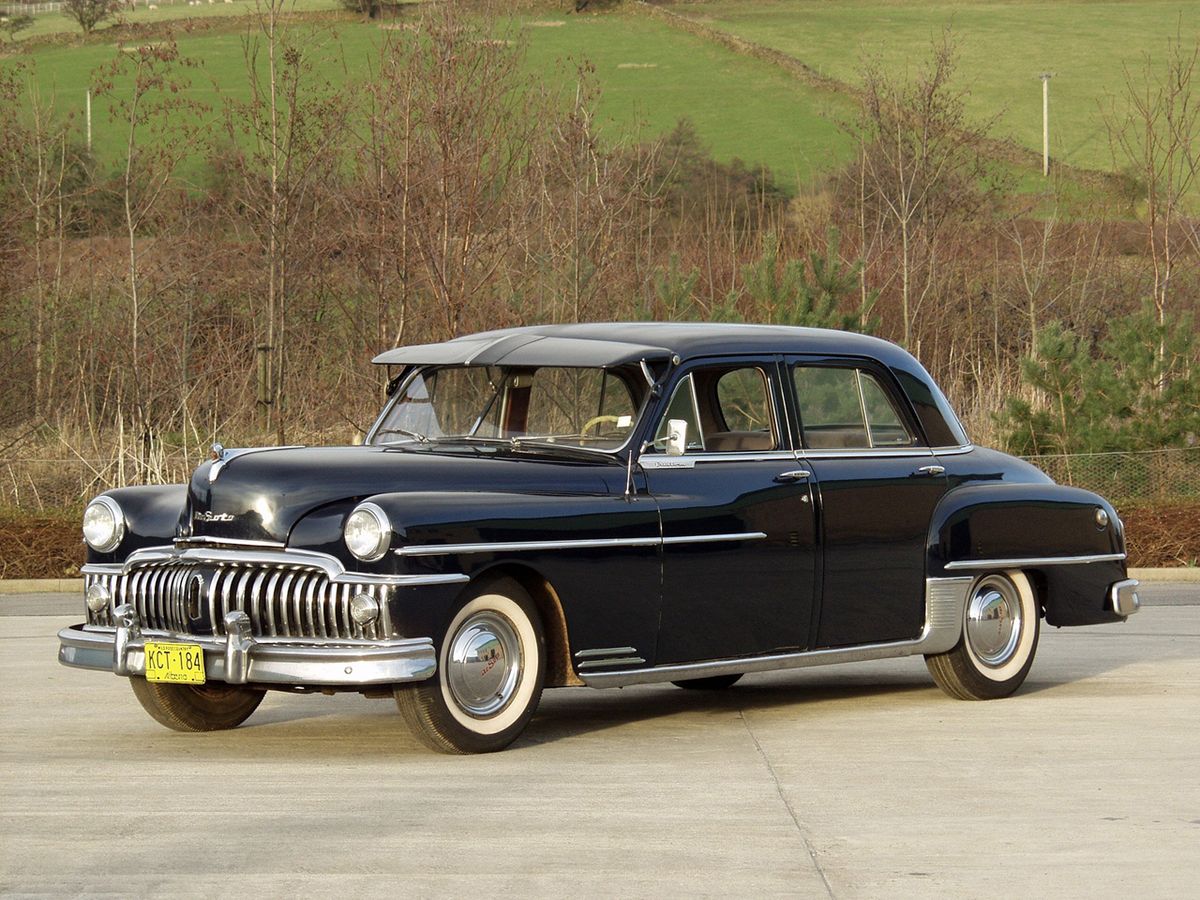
(331, 565)
(944, 602)
(691, 460)
(601, 452)
(953, 451)
(864, 453)
(571, 544)
(1030, 561)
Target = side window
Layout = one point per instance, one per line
(743, 403)
(844, 409)
(727, 408)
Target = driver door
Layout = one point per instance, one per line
(737, 518)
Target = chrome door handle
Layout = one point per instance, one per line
(794, 475)
(930, 470)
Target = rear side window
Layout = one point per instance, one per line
(847, 409)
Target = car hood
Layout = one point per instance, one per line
(261, 495)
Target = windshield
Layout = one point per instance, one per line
(589, 408)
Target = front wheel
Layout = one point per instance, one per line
(491, 668)
(1001, 623)
(209, 707)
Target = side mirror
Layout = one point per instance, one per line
(677, 430)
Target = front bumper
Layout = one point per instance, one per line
(240, 658)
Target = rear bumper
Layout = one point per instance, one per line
(239, 658)
(1124, 597)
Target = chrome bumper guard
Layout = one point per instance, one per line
(240, 658)
(1124, 597)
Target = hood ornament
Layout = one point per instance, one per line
(222, 457)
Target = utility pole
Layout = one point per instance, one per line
(1046, 76)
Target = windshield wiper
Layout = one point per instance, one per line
(533, 443)
(415, 435)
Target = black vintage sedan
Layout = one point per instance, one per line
(600, 505)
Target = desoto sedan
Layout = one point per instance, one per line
(599, 505)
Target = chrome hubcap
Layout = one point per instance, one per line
(483, 664)
(994, 620)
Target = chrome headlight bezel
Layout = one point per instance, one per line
(367, 519)
(108, 540)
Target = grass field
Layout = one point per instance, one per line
(1003, 44)
(651, 76)
(168, 10)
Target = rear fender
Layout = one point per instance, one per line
(1049, 531)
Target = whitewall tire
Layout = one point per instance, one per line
(1000, 629)
(491, 669)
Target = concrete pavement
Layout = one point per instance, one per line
(849, 781)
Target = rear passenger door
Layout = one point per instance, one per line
(876, 483)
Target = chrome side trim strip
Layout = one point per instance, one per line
(715, 538)
(974, 565)
(605, 651)
(517, 546)
(604, 663)
(945, 599)
(573, 544)
(330, 565)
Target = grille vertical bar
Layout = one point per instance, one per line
(281, 600)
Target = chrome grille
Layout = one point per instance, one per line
(281, 600)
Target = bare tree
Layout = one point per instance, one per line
(471, 130)
(87, 14)
(294, 124)
(920, 165)
(1157, 134)
(147, 90)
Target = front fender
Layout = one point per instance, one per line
(1049, 531)
(151, 515)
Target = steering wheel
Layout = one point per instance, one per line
(597, 420)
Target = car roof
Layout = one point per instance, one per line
(618, 343)
(610, 344)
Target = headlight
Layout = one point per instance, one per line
(103, 524)
(368, 532)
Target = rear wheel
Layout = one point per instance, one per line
(711, 683)
(491, 668)
(1001, 623)
(209, 707)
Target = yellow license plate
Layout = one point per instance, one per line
(174, 663)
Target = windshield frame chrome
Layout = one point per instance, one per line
(517, 443)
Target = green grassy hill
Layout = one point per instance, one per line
(1003, 45)
(651, 76)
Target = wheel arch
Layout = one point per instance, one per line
(559, 670)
